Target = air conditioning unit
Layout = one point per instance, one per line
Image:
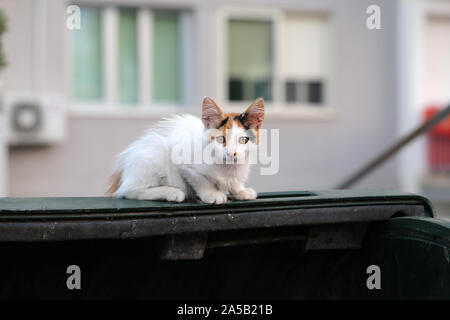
(34, 119)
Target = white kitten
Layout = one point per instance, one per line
(146, 170)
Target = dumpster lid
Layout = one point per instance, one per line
(31, 219)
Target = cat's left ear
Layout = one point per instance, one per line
(254, 115)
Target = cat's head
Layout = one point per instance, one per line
(232, 133)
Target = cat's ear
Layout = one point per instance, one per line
(254, 115)
(211, 114)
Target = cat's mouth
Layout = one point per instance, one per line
(234, 160)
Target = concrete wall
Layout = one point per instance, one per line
(314, 154)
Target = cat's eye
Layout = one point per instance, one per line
(243, 140)
(220, 139)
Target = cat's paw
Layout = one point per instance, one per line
(245, 194)
(175, 195)
(213, 196)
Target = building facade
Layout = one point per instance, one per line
(330, 83)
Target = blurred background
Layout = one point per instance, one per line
(341, 82)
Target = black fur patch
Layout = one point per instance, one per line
(242, 118)
(222, 123)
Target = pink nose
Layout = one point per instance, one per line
(232, 154)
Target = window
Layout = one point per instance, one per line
(130, 57)
(128, 66)
(299, 91)
(250, 59)
(88, 71)
(281, 56)
(304, 58)
(167, 69)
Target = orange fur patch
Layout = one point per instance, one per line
(115, 183)
(229, 124)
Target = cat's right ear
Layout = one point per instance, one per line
(211, 114)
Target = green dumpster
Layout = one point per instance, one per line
(336, 244)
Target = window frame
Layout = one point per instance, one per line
(278, 107)
(110, 105)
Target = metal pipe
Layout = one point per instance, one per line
(392, 150)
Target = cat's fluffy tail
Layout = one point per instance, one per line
(115, 183)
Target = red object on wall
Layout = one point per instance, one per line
(438, 142)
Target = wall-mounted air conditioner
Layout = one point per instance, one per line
(34, 119)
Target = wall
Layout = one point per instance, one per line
(314, 154)
(3, 158)
(436, 80)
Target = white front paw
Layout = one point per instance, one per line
(175, 196)
(245, 194)
(213, 196)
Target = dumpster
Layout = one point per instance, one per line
(335, 244)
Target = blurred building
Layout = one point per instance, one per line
(339, 91)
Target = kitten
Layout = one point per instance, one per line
(146, 170)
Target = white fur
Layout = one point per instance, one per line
(147, 172)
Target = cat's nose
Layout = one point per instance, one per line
(232, 154)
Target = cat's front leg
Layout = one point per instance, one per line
(212, 196)
(205, 189)
(240, 192)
